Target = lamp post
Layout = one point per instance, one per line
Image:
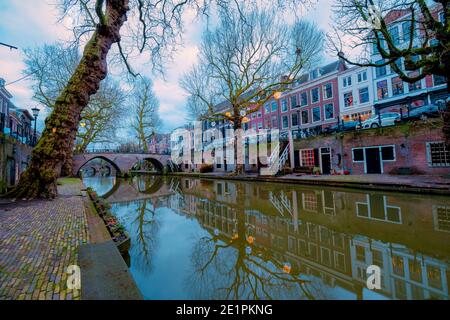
(35, 111)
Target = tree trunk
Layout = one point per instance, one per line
(56, 143)
(238, 167)
(66, 170)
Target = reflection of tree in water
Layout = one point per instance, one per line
(237, 268)
(143, 229)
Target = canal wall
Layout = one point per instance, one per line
(14, 159)
(410, 142)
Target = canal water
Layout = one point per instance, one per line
(218, 239)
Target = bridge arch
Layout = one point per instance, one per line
(155, 162)
(111, 162)
(122, 162)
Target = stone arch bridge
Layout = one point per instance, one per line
(121, 162)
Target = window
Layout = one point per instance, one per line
(274, 106)
(375, 48)
(316, 114)
(294, 119)
(285, 122)
(284, 106)
(305, 117)
(259, 114)
(307, 157)
(294, 102)
(329, 111)
(260, 125)
(347, 81)
(363, 95)
(315, 95)
(304, 99)
(438, 80)
(274, 122)
(406, 30)
(438, 155)
(358, 155)
(441, 218)
(360, 253)
(441, 17)
(395, 35)
(382, 89)
(380, 71)
(266, 108)
(416, 85)
(397, 86)
(399, 63)
(348, 99)
(377, 258)
(398, 265)
(362, 76)
(328, 91)
(387, 153)
(313, 74)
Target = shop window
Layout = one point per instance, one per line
(438, 155)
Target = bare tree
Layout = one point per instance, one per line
(245, 61)
(424, 45)
(154, 28)
(145, 106)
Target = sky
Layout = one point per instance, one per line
(31, 23)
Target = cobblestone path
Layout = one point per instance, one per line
(38, 241)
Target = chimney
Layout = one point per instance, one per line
(342, 64)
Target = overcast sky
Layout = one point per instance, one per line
(30, 23)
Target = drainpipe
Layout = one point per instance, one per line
(291, 149)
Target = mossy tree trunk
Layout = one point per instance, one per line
(56, 143)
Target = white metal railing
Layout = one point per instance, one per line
(276, 203)
(276, 161)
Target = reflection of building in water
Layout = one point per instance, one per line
(333, 235)
(441, 218)
(404, 275)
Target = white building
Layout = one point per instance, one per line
(356, 94)
(390, 92)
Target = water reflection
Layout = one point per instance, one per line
(194, 239)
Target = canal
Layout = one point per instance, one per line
(218, 239)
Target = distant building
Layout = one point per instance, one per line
(160, 143)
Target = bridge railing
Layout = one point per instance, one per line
(118, 151)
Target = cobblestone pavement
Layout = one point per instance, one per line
(38, 241)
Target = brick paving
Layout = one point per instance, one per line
(38, 241)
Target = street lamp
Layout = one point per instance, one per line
(35, 111)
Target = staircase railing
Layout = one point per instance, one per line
(276, 161)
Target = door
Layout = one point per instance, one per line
(373, 161)
(326, 160)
